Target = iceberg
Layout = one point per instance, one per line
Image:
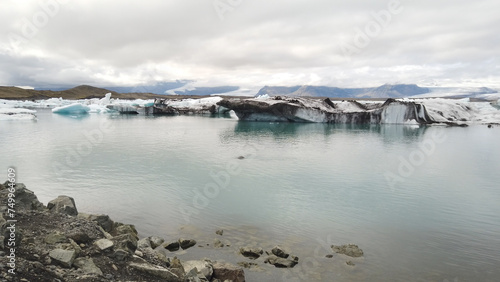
(16, 114)
(72, 109)
(392, 111)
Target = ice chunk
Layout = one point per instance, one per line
(73, 109)
(16, 114)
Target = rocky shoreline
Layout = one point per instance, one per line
(58, 243)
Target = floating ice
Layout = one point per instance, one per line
(16, 114)
(73, 109)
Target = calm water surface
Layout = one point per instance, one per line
(422, 203)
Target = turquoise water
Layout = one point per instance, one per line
(422, 203)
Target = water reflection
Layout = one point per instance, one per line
(278, 130)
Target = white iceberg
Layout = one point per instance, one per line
(16, 114)
(73, 109)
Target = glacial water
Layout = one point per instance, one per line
(422, 202)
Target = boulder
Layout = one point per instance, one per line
(124, 246)
(87, 266)
(348, 250)
(63, 257)
(144, 243)
(251, 252)
(104, 244)
(171, 246)
(64, 205)
(177, 267)
(125, 229)
(104, 221)
(202, 267)
(156, 241)
(186, 243)
(280, 252)
(25, 199)
(282, 262)
(226, 271)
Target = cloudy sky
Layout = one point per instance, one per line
(250, 43)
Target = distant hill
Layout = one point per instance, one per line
(179, 87)
(384, 91)
(79, 92)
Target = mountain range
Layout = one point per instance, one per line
(187, 89)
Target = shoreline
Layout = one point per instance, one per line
(58, 242)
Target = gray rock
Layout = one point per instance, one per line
(202, 267)
(186, 243)
(176, 267)
(104, 221)
(156, 241)
(104, 244)
(54, 238)
(87, 266)
(280, 252)
(251, 252)
(125, 246)
(219, 232)
(154, 270)
(125, 229)
(281, 262)
(144, 243)
(63, 204)
(63, 257)
(171, 246)
(348, 250)
(25, 198)
(226, 271)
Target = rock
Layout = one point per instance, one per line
(348, 250)
(226, 271)
(155, 270)
(252, 253)
(329, 256)
(177, 267)
(156, 241)
(279, 252)
(281, 262)
(104, 221)
(104, 244)
(490, 126)
(25, 199)
(218, 244)
(171, 246)
(54, 238)
(125, 229)
(186, 243)
(87, 266)
(144, 243)
(80, 236)
(219, 232)
(63, 257)
(125, 246)
(64, 205)
(203, 267)
(350, 263)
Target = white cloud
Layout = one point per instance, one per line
(282, 42)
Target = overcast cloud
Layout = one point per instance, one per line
(250, 43)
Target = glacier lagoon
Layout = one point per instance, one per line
(422, 202)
